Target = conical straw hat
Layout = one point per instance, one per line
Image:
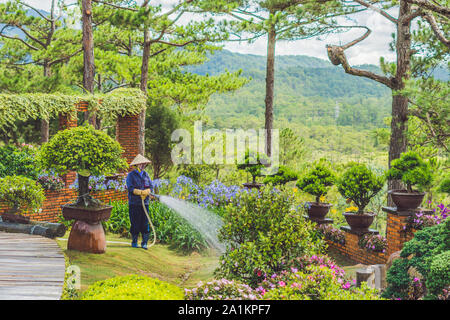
(139, 160)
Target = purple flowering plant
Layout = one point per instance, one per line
(222, 289)
(50, 181)
(373, 242)
(101, 183)
(420, 220)
(331, 233)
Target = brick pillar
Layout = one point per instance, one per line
(127, 133)
(68, 121)
(395, 231)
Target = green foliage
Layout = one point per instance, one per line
(18, 161)
(292, 147)
(132, 287)
(317, 181)
(119, 222)
(283, 176)
(82, 149)
(21, 192)
(412, 170)
(160, 123)
(262, 233)
(318, 283)
(174, 230)
(419, 253)
(439, 275)
(359, 184)
(445, 185)
(45, 106)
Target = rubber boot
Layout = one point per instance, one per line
(145, 238)
(134, 242)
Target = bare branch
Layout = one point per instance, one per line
(35, 10)
(19, 39)
(337, 57)
(376, 9)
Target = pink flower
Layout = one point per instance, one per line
(281, 283)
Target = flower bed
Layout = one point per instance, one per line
(420, 220)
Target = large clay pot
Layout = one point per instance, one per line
(87, 234)
(359, 222)
(317, 210)
(405, 200)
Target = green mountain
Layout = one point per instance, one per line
(308, 91)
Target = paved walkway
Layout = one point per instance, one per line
(31, 267)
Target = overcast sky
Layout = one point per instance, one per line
(368, 51)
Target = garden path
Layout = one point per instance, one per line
(31, 267)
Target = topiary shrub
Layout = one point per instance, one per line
(418, 255)
(412, 170)
(133, 287)
(19, 192)
(86, 151)
(317, 182)
(253, 164)
(360, 185)
(263, 233)
(283, 176)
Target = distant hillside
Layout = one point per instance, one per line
(307, 90)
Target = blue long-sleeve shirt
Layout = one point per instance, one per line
(141, 181)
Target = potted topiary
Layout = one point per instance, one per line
(253, 164)
(19, 192)
(283, 176)
(359, 184)
(88, 152)
(412, 170)
(317, 182)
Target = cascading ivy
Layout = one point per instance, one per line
(27, 106)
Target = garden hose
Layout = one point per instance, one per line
(150, 220)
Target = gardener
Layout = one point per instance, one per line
(139, 187)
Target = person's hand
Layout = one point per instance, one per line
(145, 193)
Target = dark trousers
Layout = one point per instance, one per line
(139, 222)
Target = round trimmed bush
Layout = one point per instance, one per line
(317, 182)
(133, 287)
(412, 170)
(359, 184)
(439, 276)
(283, 176)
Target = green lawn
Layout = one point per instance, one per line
(158, 262)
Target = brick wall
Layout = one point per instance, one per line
(396, 236)
(127, 133)
(51, 208)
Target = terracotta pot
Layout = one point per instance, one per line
(406, 201)
(87, 234)
(318, 210)
(251, 185)
(89, 215)
(359, 222)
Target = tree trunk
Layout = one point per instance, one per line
(88, 53)
(270, 76)
(399, 122)
(143, 87)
